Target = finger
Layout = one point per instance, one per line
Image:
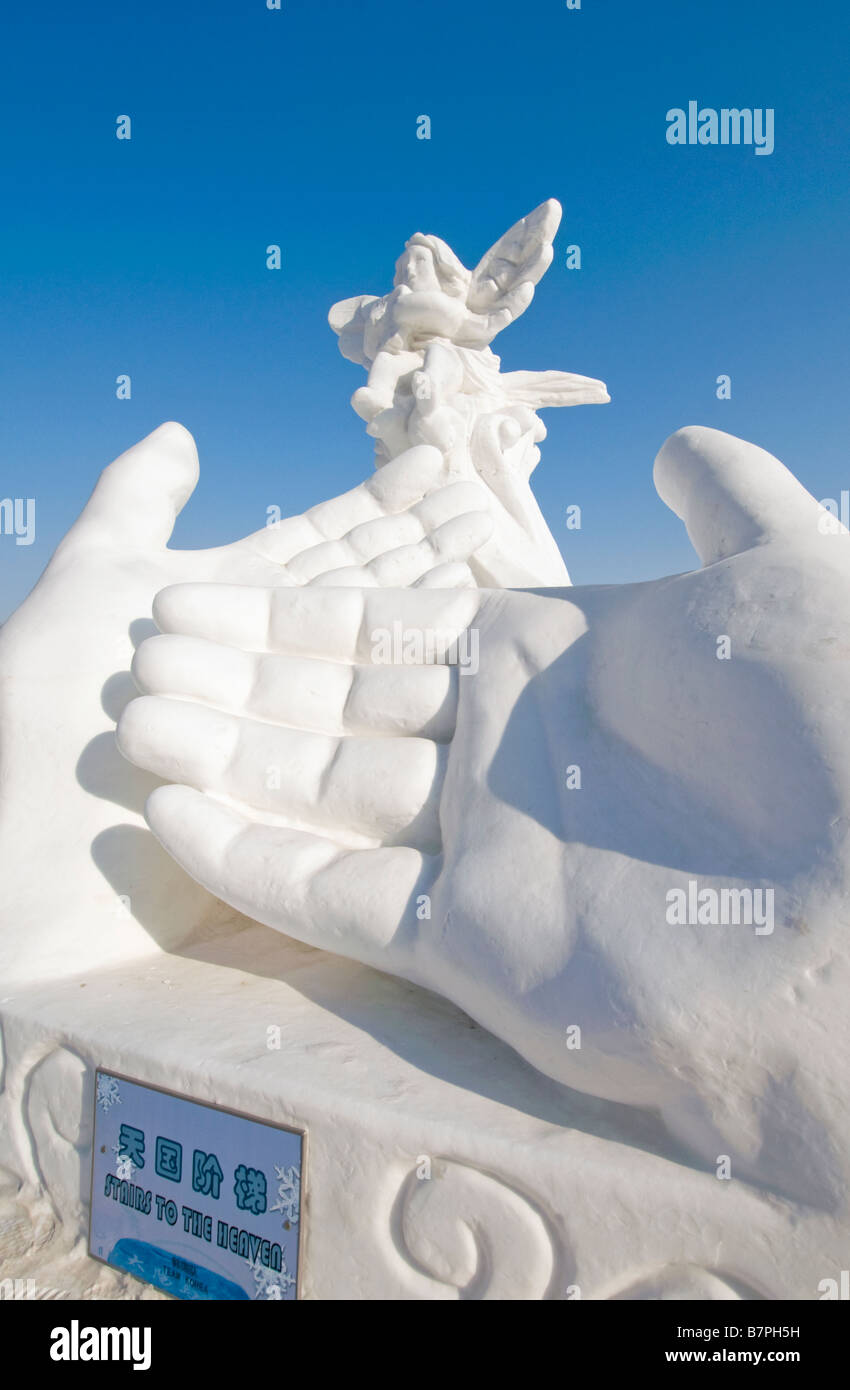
(348, 577)
(731, 495)
(382, 790)
(138, 497)
(451, 543)
(373, 539)
(425, 518)
(448, 576)
(456, 499)
(455, 540)
(360, 904)
(453, 575)
(394, 488)
(332, 624)
(320, 696)
(362, 544)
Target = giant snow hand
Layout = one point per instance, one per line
(555, 833)
(67, 799)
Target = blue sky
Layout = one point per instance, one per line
(298, 127)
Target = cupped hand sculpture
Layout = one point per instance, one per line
(449, 506)
(615, 832)
(67, 799)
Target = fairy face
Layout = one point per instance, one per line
(416, 269)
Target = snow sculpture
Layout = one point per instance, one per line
(623, 856)
(433, 379)
(643, 932)
(110, 886)
(423, 519)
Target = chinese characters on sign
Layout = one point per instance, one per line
(200, 1224)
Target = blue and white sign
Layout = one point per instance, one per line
(202, 1202)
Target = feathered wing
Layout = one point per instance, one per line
(542, 389)
(505, 277)
(348, 320)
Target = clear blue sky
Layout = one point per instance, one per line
(298, 127)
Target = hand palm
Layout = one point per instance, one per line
(67, 796)
(539, 906)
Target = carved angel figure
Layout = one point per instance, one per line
(433, 378)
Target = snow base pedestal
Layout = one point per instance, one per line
(439, 1165)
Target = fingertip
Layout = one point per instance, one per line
(451, 575)
(179, 739)
(169, 605)
(194, 669)
(166, 804)
(143, 664)
(481, 528)
(731, 495)
(407, 478)
(138, 496)
(462, 536)
(132, 732)
(175, 437)
(153, 659)
(234, 614)
(166, 458)
(194, 829)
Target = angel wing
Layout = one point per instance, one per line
(505, 277)
(348, 320)
(542, 389)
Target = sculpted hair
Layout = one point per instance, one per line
(453, 276)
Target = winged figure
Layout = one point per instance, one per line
(433, 377)
(436, 299)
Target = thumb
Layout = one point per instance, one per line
(138, 497)
(731, 495)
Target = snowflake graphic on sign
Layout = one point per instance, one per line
(288, 1194)
(108, 1092)
(270, 1283)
